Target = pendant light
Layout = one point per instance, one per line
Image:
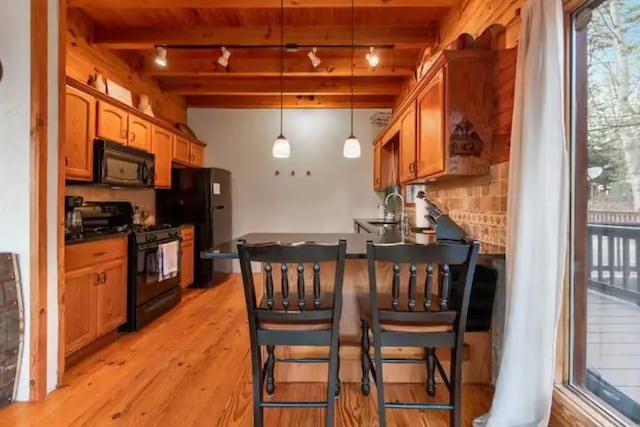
(281, 147)
(351, 149)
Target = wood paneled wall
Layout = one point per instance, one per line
(84, 59)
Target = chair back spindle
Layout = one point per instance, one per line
(284, 269)
(316, 285)
(301, 301)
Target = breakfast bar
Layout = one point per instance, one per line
(478, 359)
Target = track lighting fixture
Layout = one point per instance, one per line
(372, 57)
(224, 58)
(161, 56)
(315, 61)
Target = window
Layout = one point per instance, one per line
(605, 111)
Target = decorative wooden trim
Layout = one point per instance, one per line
(205, 4)
(38, 196)
(131, 110)
(576, 407)
(62, 59)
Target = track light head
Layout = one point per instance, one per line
(372, 57)
(161, 56)
(223, 59)
(315, 61)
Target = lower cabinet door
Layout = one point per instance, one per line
(111, 298)
(79, 308)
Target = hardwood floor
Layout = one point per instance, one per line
(191, 368)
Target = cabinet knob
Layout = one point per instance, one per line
(97, 280)
(133, 136)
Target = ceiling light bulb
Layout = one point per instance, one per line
(161, 56)
(372, 58)
(351, 149)
(315, 61)
(281, 148)
(224, 58)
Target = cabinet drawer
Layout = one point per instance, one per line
(187, 232)
(85, 254)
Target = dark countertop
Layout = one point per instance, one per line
(356, 243)
(92, 237)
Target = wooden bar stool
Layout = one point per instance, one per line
(305, 320)
(408, 318)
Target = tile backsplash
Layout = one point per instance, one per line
(145, 198)
(480, 208)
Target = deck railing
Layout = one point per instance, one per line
(613, 260)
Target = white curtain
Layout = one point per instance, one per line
(538, 209)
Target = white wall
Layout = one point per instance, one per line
(15, 160)
(338, 189)
(16, 168)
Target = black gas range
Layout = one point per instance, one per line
(154, 255)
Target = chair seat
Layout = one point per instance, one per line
(384, 301)
(289, 324)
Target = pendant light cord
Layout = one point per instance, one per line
(353, 25)
(281, 63)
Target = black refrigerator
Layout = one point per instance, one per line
(201, 197)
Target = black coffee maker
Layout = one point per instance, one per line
(72, 217)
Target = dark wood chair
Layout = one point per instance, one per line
(306, 318)
(410, 317)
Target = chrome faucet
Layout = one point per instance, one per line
(404, 222)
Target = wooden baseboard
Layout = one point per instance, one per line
(97, 345)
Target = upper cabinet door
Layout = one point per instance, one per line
(161, 146)
(181, 150)
(80, 127)
(112, 123)
(139, 133)
(197, 155)
(408, 145)
(431, 153)
(377, 163)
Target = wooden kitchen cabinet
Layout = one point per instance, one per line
(181, 150)
(197, 155)
(161, 147)
(377, 167)
(139, 133)
(113, 123)
(111, 298)
(79, 315)
(94, 300)
(80, 127)
(408, 145)
(187, 263)
(430, 146)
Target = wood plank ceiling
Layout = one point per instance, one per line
(194, 30)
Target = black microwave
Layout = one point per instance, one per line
(121, 166)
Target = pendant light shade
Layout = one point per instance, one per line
(351, 149)
(281, 148)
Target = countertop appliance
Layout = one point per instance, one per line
(120, 166)
(201, 197)
(151, 291)
(73, 225)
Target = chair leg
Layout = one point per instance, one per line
(364, 349)
(382, 421)
(338, 374)
(271, 361)
(455, 379)
(256, 362)
(431, 372)
(332, 386)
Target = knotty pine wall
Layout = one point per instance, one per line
(84, 60)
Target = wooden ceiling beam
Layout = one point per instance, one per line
(241, 4)
(148, 38)
(292, 86)
(273, 101)
(295, 65)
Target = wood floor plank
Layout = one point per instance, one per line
(191, 367)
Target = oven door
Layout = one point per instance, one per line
(123, 166)
(149, 283)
